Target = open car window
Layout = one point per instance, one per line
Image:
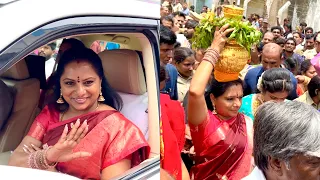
(143, 36)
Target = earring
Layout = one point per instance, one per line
(101, 98)
(214, 110)
(60, 100)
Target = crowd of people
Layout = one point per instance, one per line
(263, 125)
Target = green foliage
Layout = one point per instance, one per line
(244, 34)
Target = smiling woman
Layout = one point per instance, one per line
(86, 104)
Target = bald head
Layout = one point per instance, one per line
(271, 56)
(272, 48)
(268, 37)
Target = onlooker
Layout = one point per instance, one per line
(310, 51)
(286, 142)
(298, 37)
(317, 43)
(185, 10)
(167, 41)
(302, 28)
(276, 30)
(270, 58)
(164, 11)
(47, 51)
(289, 47)
(307, 71)
(264, 27)
(281, 42)
(181, 17)
(309, 30)
(312, 96)
(268, 38)
(167, 21)
(287, 31)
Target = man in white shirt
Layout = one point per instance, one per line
(47, 51)
(286, 142)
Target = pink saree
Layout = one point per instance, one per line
(111, 138)
(223, 148)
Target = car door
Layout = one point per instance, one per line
(49, 29)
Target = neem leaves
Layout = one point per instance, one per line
(244, 34)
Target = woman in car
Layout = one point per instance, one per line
(47, 94)
(274, 84)
(82, 133)
(222, 137)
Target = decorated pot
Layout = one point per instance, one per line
(233, 59)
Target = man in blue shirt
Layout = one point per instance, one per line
(185, 10)
(167, 41)
(270, 58)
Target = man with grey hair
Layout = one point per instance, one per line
(286, 142)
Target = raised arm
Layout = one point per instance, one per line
(197, 108)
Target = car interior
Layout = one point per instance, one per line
(124, 68)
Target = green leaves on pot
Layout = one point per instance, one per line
(244, 34)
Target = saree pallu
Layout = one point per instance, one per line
(172, 135)
(223, 149)
(111, 138)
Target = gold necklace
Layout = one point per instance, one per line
(67, 110)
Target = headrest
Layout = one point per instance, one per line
(7, 100)
(19, 71)
(123, 70)
(36, 67)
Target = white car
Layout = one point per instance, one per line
(27, 25)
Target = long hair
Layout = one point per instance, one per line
(85, 55)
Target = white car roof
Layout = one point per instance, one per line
(22, 16)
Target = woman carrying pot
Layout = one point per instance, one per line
(221, 135)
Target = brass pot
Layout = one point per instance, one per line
(233, 59)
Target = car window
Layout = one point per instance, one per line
(143, 51)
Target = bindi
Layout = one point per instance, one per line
(78, 80)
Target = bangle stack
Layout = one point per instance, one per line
(38, 160)
(212, 56)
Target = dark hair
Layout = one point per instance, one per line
(291, 39)
(305, 65)
(167, 18)
(192, 7)
(276, 27)
(86, 55)
(181, 53)
(310, 36)
(176, 45)
(303, 24)
(276, 80)
(309, 28)
(280, 41)
(218, 89)
(178, 13)
(75, 43)
(53, 46)
(300, 35)
(313, 85)
(191, 24)
(167, 36)
(288, 26)
(162, 73)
